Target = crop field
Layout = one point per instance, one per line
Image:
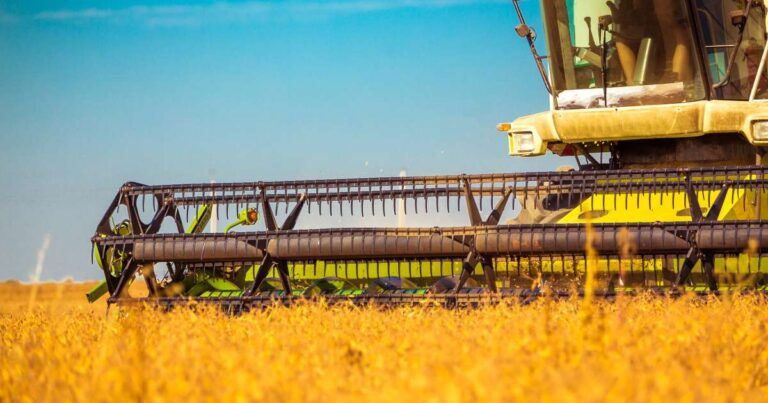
(56, 347)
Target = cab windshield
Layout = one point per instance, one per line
(720, 35)
(641, 51)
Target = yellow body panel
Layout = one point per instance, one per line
(641, 122)
(665, 207)
(739, 204)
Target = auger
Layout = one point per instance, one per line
(662, 103)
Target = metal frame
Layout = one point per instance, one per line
(485, 242)
(759, 75)
(469, 299)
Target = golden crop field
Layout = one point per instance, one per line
(61, 349)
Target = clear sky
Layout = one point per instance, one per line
(96, 93)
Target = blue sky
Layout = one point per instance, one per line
(94, 93)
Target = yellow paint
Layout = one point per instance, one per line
(739, 204)
(642, 122)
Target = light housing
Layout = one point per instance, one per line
(760, 130)
(523, 142)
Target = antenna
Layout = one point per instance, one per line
(525, 31)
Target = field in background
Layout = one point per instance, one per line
(62, 349)
(18, 297)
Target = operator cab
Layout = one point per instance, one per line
(721, 23)
(647, 52)
(656, 83)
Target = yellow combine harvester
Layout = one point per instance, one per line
(663, 105)
(652, 84)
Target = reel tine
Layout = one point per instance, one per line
(415, 197)
(448, 189)
(480, 191)
(652, 191)
(459, 194)
(380, 199)
(310, 199)
(285, 196)
(361, 201)
(236, 199)
(383, 202)
(373, 207)
(393, 199)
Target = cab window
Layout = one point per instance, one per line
(639, 52)
(720, 35)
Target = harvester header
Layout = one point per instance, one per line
(662, 104)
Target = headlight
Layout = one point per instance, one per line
(524, 143)
(760, 130)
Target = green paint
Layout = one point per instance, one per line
(201, 220)
(97, 292)
(212, 284)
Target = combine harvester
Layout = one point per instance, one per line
(661, 102)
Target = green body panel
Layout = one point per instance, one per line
(201, 220)
(212, 284)
(97, 292)
(113, 260)
(220, 294)
(364, 271)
